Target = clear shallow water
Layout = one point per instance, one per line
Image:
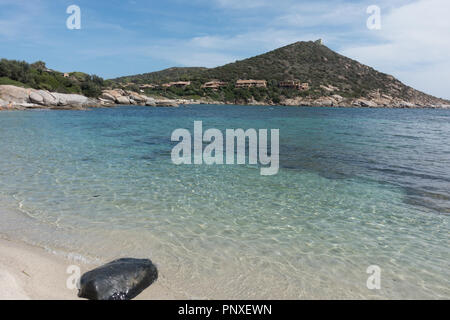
(356, 188)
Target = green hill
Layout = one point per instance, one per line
(166, 75)
(329, 78)
(38, 76)
(309, 62)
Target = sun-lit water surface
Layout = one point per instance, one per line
(356, 188)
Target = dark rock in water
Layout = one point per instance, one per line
(121, 279)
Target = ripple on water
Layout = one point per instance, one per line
(353, 191)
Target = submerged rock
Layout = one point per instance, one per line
(121, 279)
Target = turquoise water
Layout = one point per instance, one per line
(356, 187)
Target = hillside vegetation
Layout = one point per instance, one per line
(38, 76)
(309, 62)
(320, 77)
(166, 75)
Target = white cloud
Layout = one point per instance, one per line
(212, 51)
(207, 51)
(414, 45)
(262, 40)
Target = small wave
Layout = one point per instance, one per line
(73, 256)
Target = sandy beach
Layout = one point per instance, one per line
(32, 273)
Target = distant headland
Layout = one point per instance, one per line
(300, 74)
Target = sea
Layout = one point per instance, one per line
(359, 208)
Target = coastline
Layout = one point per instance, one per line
(17, 98)
(29, 272)
(44, 107)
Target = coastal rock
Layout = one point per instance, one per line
(166, 103)
(404, 104)
(49, 99)
(382, 102)
(151, 102)
(337, 97)
(121, 279)
(295, 102)
(75, 100)
(36, 98)
(127, 97)
(115, 93)
(14, 94)
(25, 105)
(192, 101)
(324, 102)
(137, 97)
(107, 96)
(123, 100)
(364, 103)
(105, 103)
(207, 101)
(120, 92)
(17, 98)
(92, 103)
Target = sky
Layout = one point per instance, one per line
(128, 37)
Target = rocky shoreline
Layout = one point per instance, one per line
(375, 99)
(18, 98)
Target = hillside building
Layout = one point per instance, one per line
(215, 84)
(294, 84)
(304, 86)
(178, 84)
(251, 83)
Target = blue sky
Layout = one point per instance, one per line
(136, 36)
